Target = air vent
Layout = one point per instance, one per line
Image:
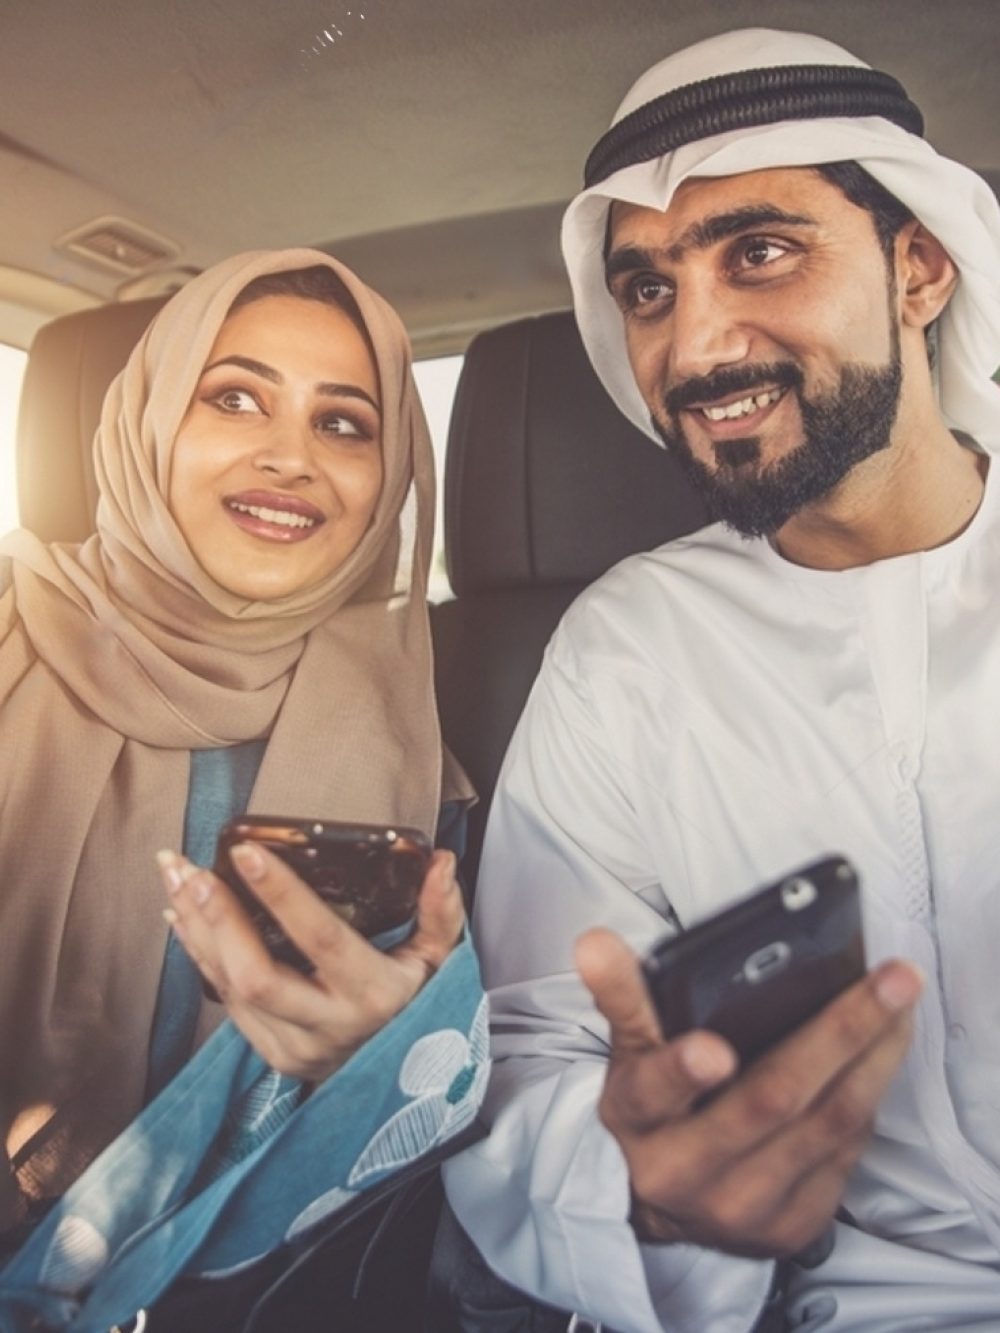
(117, 246)
(162, 282)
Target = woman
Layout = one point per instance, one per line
(247, 629)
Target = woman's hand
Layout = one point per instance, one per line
(306, 1026)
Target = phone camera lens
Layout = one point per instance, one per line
(797, 893)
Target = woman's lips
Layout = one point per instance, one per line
(274, 517)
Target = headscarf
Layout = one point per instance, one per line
(121, 655)
(954, 203)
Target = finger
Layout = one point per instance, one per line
(219, 936)
(440, 917)
(647, 1090)
(206, 907)
(179, 876)
(611, 973)
(779, 1197)
(337, 951)
(837, 1125)
(203, 965)
(788, 1079)
(854, 1046)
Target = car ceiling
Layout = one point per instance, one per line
(431, 144)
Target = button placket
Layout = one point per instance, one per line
(895, 628)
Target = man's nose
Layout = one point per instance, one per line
(708, 330)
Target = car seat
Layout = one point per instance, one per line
(70, 365)
(547, 485)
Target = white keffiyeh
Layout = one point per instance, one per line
(954, 203)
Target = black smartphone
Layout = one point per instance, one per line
(369, 874)
(760, 968)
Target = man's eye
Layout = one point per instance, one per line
(644, 294)
(647, 290)
(757, 252)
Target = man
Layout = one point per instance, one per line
(817, 672)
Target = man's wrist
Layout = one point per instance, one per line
(653, 1225)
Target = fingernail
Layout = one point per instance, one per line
(898, 985)
(170, 916)
(705, 1061)
(201, 889)
(172, 868)
(248, 860)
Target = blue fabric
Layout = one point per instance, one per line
(133, 1222)
(219, 789)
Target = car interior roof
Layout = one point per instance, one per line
(431, 144)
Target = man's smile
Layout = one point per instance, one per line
(740, 407)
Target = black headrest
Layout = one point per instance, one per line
(71, 363)
(547, 482)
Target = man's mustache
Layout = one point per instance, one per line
(732, 379)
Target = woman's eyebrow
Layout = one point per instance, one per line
(334, 390)
(247, 363)
(329, 388)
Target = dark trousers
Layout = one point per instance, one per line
(466, 1296)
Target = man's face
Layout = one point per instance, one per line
(761, 329)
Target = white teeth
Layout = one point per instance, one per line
(743, 406)
(280, 516)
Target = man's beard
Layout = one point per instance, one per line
(840, 430)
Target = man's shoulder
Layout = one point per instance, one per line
(651, 589)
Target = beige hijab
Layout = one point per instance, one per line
(117, 658)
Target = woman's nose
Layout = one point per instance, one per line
(287, 452)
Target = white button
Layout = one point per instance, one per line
(904, 766)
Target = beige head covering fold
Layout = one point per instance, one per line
(955, 204)
(119, 657)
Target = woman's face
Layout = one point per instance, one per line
(277, 465)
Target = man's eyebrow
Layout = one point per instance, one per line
(719, 227)
(328, 388)
(626, 259)
(702, 234)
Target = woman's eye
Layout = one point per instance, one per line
(335, 424)
(235, 400)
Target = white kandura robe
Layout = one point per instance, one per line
(708, 717)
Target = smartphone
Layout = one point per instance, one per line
(760, 968)
(369, 874)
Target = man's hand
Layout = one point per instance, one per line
(306, 1026)
(759, 1170)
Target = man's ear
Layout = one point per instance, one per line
(925, 274)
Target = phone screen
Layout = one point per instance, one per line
(368, 874)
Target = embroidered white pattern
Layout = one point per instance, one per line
(445, 1073)
(76, 1255)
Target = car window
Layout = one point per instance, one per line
(437, 379)
(12, 363)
